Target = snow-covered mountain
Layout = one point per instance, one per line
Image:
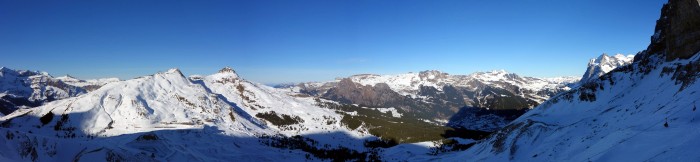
(23, 88)
(410, 84)
(645, 111)
(438, 96)
(603, 64)
(536, 89)
(258, 99)
(89, 85)
(153, 118)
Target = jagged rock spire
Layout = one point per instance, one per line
(227, 70)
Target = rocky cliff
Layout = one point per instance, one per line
(677, 32)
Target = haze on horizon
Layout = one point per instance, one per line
(285, 41)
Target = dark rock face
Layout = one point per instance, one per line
(380, 95)
(227, 70)
(489, 120)
(9, 104)
(677, 32)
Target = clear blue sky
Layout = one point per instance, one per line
(291, 41)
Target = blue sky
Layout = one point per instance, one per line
(291, 41)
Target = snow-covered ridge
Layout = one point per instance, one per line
(160, 101)
(83, 83)
(154, 101)
(530, 83)
(410, 83)
(168, 107)
(255, 98)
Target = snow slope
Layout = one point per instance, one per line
(625, 121)
(111, 123)
(255, 98)
(162, 101)
(156, 117)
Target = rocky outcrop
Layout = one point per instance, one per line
(227, 70)
(380, 95)
(433, 75)
(677, 32)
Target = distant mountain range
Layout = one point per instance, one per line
(23, 88)
(438, 96)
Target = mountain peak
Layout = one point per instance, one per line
(3, 69)
(227, 70)
(431, 71)
(604, 64)
(68, 78)
(174, 71)
(619, 55)
(226, 73)
(9, 69)
(601, 57)
(499, 71)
